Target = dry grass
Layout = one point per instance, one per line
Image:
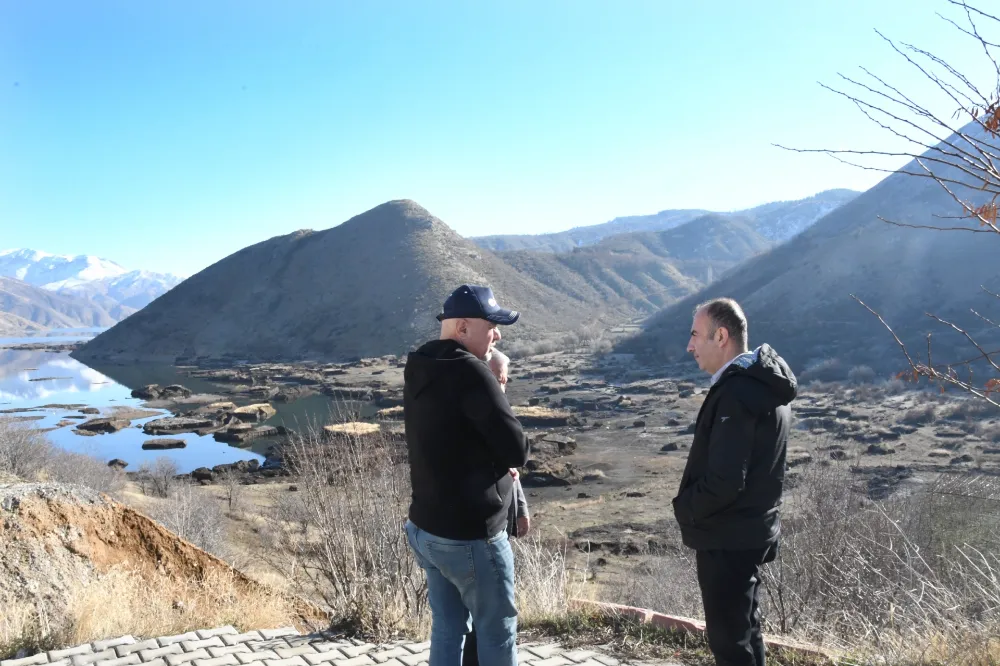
(538, 411)
(390, 412)
(123, 601)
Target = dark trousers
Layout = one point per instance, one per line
(730, 589)
(471, 655)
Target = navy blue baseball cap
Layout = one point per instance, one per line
(474, 302)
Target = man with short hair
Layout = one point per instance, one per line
(727, 504)
(463, 439)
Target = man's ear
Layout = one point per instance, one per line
(722, 335)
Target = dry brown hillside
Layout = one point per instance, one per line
(73, 561)
(369, 286)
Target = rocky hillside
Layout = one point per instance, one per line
(641, 272)
(367, 287)
(797, 296)
(777, 221)
(26, 308)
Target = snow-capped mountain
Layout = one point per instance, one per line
(84, 275)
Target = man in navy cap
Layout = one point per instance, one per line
(463, 439)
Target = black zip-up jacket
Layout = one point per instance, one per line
(462, 438)
(731, 488)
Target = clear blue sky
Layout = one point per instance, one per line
(167, 135)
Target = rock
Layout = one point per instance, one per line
(939, 453)
(117, 463)
(686, 393)
(533, 402)
(673, 422)
(163, 444)
(691, 428)
(668, 447)
(293, 489)
(175, 391)
(562, 441)
(90, 410)
(244, 432)
(202, 474)
(639, 424)
(148, 392)
(797, 456)
(963, 460)
(582, 496)
(838, 454)
(634, 493)
(259, 412)
(105, 425)
(240, 466)
(879, 450)
(171, 425)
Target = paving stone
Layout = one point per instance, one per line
(383, 656)
(418, 647)
(327, 646)
(236, 639)
(247, 657)
(334, 656)
(553, 661)
(191, 646)
(414, 659)
(170, 640)
(160, 653)
(90, 658)
(187, 657)
(579, 655)
(155, 662)
(272, 644)
(61, 662)
(358, 650)
(228, 630)
(128, 660)
(225, 660)
(40, 658)
(229, 649)
(360, 660)
(288, 652)
(544, 651)
(607, 661)
(126, 650)
(100, 646)
(56, 655)
(278, 633)
(292, 661)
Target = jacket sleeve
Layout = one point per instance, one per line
(486, 406)
(522, 503)
(729, 448)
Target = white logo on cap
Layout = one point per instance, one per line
(492, 302)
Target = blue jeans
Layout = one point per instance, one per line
(468, 581)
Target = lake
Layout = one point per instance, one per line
(54, 386)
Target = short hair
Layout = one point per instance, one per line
(726, 313)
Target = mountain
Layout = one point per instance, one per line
(91, 277)
(641, 272)
(369, 286)
(797, 295)
(777, 221)
(29, 309)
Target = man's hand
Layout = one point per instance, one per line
(514, 473)
(523, 526)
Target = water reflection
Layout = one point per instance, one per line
(55, 386)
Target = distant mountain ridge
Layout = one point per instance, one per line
(105, 282)
(27, 309)
(777, 221)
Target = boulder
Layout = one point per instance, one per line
(668, 447)
(90, 410)
(175, 391)
(117, 463)
(203, 474)
(171, 425)
(259, 412)
(162, 444)
(105, 425)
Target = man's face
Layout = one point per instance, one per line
(479, 336)
(706, 347)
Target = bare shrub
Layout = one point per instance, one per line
(159, 477)
(232, 486)
(192, 518)
(924, 415)
(824, 370)
(24, 452)
(861, 374)
(971, 408)
(84, 470)
(341, 538)
(542, 581)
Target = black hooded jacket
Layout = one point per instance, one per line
(731, 488)
(463, 438)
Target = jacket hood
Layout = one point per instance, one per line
(433, 360)
(764, 366)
